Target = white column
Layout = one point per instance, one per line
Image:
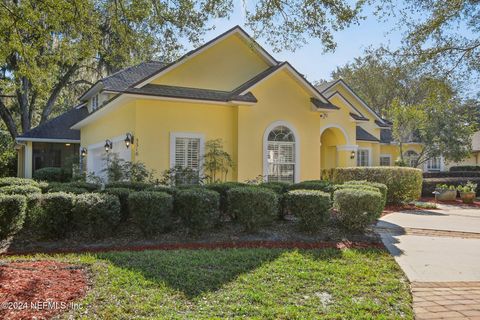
(28, 160)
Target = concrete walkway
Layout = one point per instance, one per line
(439, 251)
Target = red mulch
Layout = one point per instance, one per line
(217, 245)
(39, 289)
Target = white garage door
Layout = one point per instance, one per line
(96, 160)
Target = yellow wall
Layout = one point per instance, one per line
(156, 120)
(280, 98)
(226, 65)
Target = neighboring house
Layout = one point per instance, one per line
(272, 121)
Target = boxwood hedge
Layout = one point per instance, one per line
(12, 214)
(311, 206)
(151, 211)
(198, 208)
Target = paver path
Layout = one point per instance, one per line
(439, 251)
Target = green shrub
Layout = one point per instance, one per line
(90, 187)
(122, 194)
(137, 186)
(96, 213)
(52, 174)
(357, 208)
(161, 188)
(65, 187)
(20, 190)
(464, 168)
(311, 206)
(198, 208)
(365, 184)
(319, 185)
(252, 206)
(12, 214)
(222, 189)
(34, 207)
(55, 219)
(151, 211)
(12, 181)
(280, 188)
(429, 184)
(404, 184)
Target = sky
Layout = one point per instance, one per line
(310, 59)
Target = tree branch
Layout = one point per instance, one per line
(7, 118)
(47, 110)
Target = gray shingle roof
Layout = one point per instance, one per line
(385, 124)
(123, 79)
(190, 93)
(358, 117)
(58, 127)
(364, 135)
(322, 105)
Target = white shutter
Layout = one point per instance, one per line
(281, 161)
(187, 152)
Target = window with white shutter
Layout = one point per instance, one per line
(363, 158)
(186, 150)
(281, 158)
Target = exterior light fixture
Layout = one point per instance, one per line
(129, 140)
(83, 152)
(108, 145)
(352, 155)
(67, 144)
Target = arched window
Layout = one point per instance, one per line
(281, 155)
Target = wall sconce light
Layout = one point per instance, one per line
(352, 155)
(108, 145)
(129, 140)
(83, 152)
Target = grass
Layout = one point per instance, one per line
(243, 283)
(425, 205)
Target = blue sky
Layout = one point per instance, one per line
(310, 59)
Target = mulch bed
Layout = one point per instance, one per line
(457, 202)
(214, 245)
(39, 289)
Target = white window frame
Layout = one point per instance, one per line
(95, 102)
(369, 150)
(297, 148)
(389, 156)
(192, 135)
(440, 166)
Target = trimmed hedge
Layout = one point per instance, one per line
(67, 188)
(12, 214)
(13, 181)
(222, 188)
(357, 208)
(137, 186)
(429, 184)
(252, 206)
(311, 206)
(97, 214)
(90, 187)
(376, 185)
(404, 184)
(52, 174)
(34, 207)
(451, 174)
(54, 220)
(280, 188)
(198, 208)
(151, 211)
(122, 194)
(319, 185)
(464, 168)
(20, 190)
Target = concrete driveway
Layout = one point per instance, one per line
(439, 251)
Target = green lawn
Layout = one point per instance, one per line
(244, 283)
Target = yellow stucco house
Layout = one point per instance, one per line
(272, 121)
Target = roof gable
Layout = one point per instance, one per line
(220, 64)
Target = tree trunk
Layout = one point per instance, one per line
(7, 118)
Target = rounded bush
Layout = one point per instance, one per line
(151, 211)
(12, 214)
(55, 219)
(280, 188)
(90, 187)
(311, 206)
(122, 194)
(161, 188)
(34, 207)
(65, 187)
(137, 186)
(13, 181)
(403, 184)
(96, 213)
(320, 185)
(20, 190)
(222, 188)
(52, 174)
(357, 208)
(198, 208)
(365, 185)
(252, 206)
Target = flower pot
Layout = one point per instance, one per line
(446, 195)
(467, 197)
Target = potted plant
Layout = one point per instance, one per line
(445, 192)
(468, 192)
